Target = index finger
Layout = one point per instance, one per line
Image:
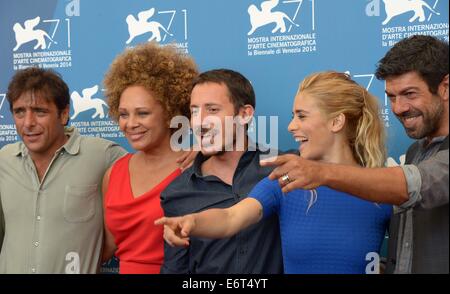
(165, 221)
(160, 221)
(188, 160)
(274, 161)
(181, 158)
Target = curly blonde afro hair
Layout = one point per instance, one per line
(163, 70)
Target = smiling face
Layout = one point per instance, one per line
(420, 111)
(39, 124)
(210, 107)
(311, 128)
(142, 119)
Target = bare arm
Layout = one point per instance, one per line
(224, 223)
(109, 247)
(383, 185)
(211, 223)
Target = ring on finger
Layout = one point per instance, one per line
(285, 179)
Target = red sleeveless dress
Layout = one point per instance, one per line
(140, 244)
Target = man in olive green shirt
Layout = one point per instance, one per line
(51, 216)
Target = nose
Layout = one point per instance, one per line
(399, 106)
(203, 115)
(132, 121)
(293, 126)
(29, 119)
(197, 118)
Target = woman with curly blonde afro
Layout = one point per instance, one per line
(146, 87)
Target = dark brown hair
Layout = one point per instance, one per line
(46, 82)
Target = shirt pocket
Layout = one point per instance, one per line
(79, 203)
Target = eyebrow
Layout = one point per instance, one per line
(403, 91)
(206, 105)
(18, 108)
(300, 111)
(36, 108)
(137, 108)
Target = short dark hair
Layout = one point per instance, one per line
(45, 81)
(426, 55)
(239, 87)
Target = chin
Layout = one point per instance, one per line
(210, 151)
(34, 147)
(138, 146)
(35, 150)
(415, 135)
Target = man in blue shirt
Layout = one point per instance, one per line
(222, 175)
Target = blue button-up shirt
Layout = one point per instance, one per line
(255, 250)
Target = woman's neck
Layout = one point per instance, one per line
(341, 153)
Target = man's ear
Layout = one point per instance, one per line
(338, 123)
(65, 116)
(246, 113)
(443, 88)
